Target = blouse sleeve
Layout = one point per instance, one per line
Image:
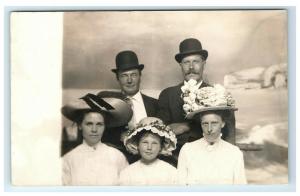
(122, 179)
(182, 169)
(123, 163)
(239, 170)
(66, 173)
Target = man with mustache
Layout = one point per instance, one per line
(192, 60)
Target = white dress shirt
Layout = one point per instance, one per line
(197, 85)
(201, 163)
(138, 107)
(99, 165)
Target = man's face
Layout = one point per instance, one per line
(129, 81)
(211, 126)
(149, 147)
(92, 128)
(192, 67)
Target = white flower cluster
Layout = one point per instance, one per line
(195, 99)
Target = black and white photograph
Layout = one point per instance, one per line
(149, 98)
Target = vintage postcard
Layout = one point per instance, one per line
(59, 57)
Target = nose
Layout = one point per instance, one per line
(149, 147)
(209, 128)
(129, 79)
(94, 129)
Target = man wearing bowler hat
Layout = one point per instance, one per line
(129, 74)
(192, 60)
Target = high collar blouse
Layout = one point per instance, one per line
(201, 163)
(98, 165)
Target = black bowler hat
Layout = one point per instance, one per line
(190, 46)
(127, 60)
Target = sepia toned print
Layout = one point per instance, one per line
(247, 54)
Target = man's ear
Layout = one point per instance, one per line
(223, 124)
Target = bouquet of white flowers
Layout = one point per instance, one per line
(206, 97)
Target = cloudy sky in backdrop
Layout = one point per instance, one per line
(235, 40)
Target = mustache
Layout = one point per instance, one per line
(191, 72)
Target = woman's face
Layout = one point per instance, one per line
(149, 147)
(212, 125)
(92, 128)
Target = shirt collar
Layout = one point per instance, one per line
(198, 84)
(137, 97)
(211, 147)
(91, 147)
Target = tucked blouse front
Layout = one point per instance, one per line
(201, 163)
(157, 173)
(99, 165)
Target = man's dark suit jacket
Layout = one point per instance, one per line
(171, 111)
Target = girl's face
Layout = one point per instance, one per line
(92, 128)
(149, 147)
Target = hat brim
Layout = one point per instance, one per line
(180, 56)
(169, 143)
(140, 67)
(191, 115)
(116, 117)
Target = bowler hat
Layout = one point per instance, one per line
(126, 60)
(190, 46)
(117, 111)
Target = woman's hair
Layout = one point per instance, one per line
(83, 113)
(220, 113)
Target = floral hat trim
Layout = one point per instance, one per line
(156, 127)
(205, 99)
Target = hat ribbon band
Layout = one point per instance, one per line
(96, 103)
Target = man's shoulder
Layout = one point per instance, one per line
(115, 94)
(205, 84)
(172, 89)
(146, 97)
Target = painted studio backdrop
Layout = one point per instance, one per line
(247, 52)
(246, 49)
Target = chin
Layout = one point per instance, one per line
(195, 78)
(131, 92)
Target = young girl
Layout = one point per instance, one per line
(149, 139)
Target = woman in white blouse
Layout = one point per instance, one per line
(211, 160)
(149, 139)
(93, 162)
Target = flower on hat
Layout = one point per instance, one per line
(157, 127)
(207, 97)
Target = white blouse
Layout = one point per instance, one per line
(201, 163)
(99, 165)
(157, 173)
